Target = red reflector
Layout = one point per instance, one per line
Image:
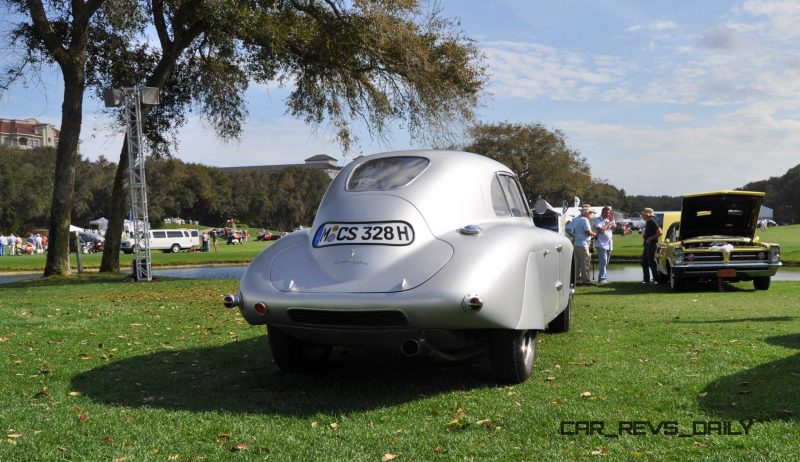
(260, 308)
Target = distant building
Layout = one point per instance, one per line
(321, 162)
(27, 134)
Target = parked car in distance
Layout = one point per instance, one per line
(430, 252)
(166, 240)
(715, 241)
(268, 236)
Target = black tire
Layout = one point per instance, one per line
(127, 252)
(761, 283)
(513, 353)
(293, 355)
(677, 284)
(175, 248)
(134, 249)
(561, 323)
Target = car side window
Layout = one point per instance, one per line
(672, 234)
(499, 202)
(159, 234)
(515, 197)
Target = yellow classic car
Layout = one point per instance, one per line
(715, 241)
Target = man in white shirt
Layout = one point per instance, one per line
(604, 226)
(3, 244)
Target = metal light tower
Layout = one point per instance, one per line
(133, 99)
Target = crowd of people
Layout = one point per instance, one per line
(588, 231)
(18, 245)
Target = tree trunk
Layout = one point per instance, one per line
(66, 160)
(120, 198)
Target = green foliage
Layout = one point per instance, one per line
(546, 166)
(210, 195)
(783, 195)
(27, 179)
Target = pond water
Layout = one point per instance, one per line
(617, 272)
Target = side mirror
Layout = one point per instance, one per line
(540, 207)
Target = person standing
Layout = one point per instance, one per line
(37, 241)
(206, 244)
(214, 240)
(604, 226)
(650, 236)
(12, 244)
(3, 244)
(583, 234)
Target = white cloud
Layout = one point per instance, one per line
(728, 151)
(784, 16)
(677, 117)
(654, 26)
(532, 71)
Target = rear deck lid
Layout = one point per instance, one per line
(369, 243)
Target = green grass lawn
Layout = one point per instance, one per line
(228, 254)
(97, 369)
(788, 237)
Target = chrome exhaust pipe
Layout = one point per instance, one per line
(411, 347)
(231, 301)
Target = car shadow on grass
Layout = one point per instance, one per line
(241, 377)
(768, 392)
(637, 288)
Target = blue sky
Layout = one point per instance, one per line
(666, 97)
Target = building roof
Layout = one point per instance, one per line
(321, 158)
(23, 127)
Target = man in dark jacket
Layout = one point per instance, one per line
(650, 235)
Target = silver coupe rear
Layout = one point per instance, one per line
(432, 252)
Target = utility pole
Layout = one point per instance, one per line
(133, 99)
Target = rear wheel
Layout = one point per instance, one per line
(761, 283)
(294, 355)
(175, 248)
(512, 354)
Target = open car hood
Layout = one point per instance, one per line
(724, 213)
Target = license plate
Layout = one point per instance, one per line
(376, 233)
(726, 273)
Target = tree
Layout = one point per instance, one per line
(545, 165)
(59, 31)
(375, 61)
(600, 192)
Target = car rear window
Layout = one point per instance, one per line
(386, 173)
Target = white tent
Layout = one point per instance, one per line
(101, 224)
(73, 228)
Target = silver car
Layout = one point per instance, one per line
(431, 252)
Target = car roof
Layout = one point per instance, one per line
(454, 187)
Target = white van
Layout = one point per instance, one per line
(166, 240)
